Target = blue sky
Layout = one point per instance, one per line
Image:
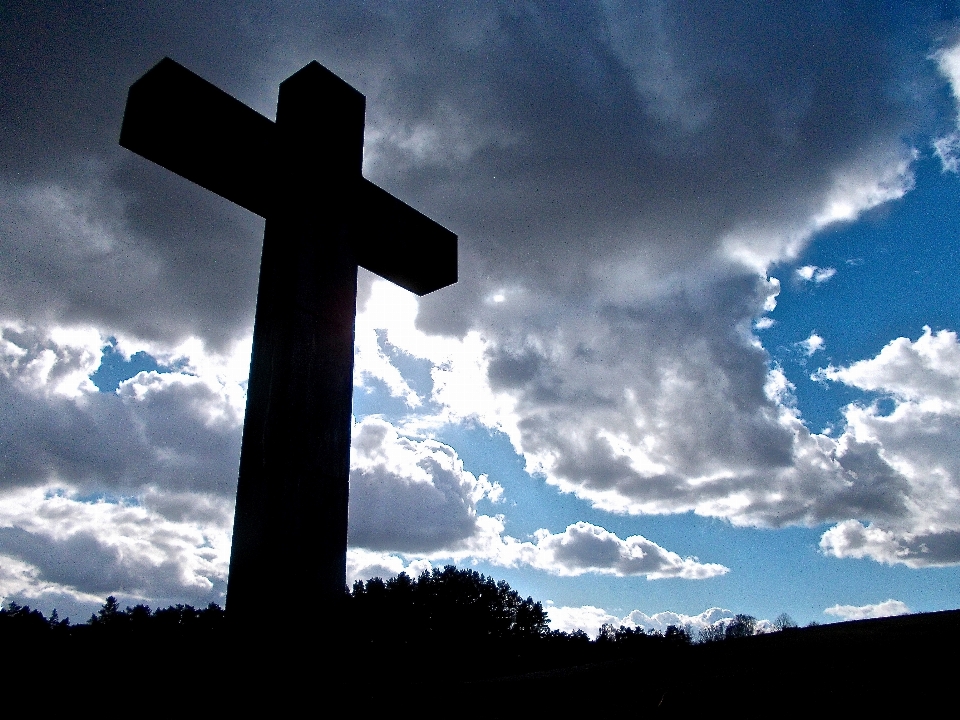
(702, 352)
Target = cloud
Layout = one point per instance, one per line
(584, 548)
(660, 621)
(621, 182)
(411, 496)
(174, 430)
(63, 544)
(947, 147)
(812, 344)
(925, 372)
(815, 274)
(587, 411)
(572, 136)
(364, 565)
(589, 619)
(144, 492)
(906, 455)
(862, 612)
(851, 539)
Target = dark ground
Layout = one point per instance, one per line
(891, 667)
(905, 666)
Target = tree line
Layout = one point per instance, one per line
(443, 608)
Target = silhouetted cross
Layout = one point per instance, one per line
(323, 219)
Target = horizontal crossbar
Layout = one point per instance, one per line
(189, 126)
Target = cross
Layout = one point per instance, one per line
(302, 174)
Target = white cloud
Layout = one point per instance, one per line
(935, 548)
(365, 564)
(851, 539)
(589, 619)
(925, 372)
(905, 460)
(384, 309)
(162, 430)
(585, 548)
(865, 186)
(57, 363)
(812, 344)
(816, 274)
(84, 549)
(660, 621)
(171, 430)
(411, 495)
(588, 411)
(948, 147)
(877, 176)
(458, 366)
(886, 608)
(586, 618)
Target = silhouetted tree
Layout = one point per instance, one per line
(606, 634)
(711, 633)
(447, 604)
(530, 620)
(110, 615)
(741, 626)
(21, 620)
(783, 622)
(138, 616)
(56, 623)
(677, 635)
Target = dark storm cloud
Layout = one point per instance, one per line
(82, 562)
(67, 67)
(560, 134)
(169, 260)
(653, 133)
(934, 548)
(507, 370)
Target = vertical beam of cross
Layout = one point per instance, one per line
(290, 527)
(303, 174)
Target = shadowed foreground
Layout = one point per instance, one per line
(444, 652)
(905, 664)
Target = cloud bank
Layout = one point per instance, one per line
(589, 619)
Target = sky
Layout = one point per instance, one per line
(701, 359)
